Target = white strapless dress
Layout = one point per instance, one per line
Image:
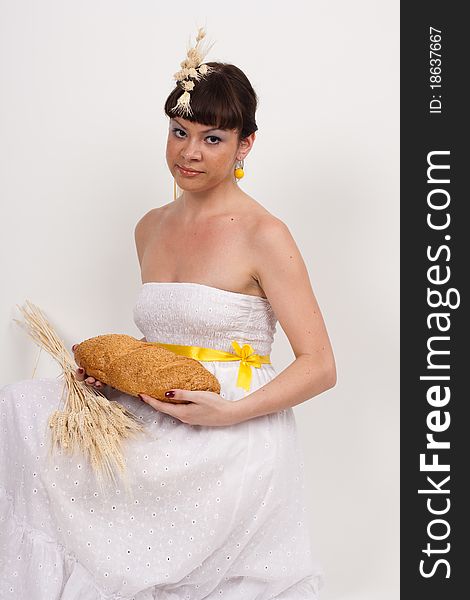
(217, 512)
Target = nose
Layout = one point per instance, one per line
(191, 151)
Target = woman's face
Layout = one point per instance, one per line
(211, 152)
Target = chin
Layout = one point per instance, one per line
(185, 185)
(190, 184)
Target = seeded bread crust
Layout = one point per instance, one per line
(134, 367)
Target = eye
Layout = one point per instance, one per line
(214, 137)
(176, 129)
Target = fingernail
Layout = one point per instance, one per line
(170, 394)
(81, 371)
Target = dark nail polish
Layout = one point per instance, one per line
(170, 394)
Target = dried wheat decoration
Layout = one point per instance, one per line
(192, 70)
(89, 423)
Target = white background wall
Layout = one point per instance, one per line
(82, 158)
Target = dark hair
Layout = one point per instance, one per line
(224, 98)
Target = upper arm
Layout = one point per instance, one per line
(284, 278)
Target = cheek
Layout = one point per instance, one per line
(170, 157)
(222, 161)
(173, 145)
(170, 148)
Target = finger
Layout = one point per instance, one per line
(77, 362)
(80, 374)
(73, 347)
(99, 384)
(90, 380)
(186, 395)
(165, 407)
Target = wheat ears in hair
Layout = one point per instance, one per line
(192, 70)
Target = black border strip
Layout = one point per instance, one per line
(434, 248)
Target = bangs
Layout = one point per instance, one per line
(214, 102)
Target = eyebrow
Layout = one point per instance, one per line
(205, 130)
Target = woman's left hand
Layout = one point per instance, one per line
(204, 408)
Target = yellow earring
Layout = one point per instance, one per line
(239, 172)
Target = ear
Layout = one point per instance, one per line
(245, 146)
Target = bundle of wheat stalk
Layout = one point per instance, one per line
(89, 423)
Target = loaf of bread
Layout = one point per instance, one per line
(134, 367)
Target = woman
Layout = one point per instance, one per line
(218, 509)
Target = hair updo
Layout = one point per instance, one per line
(224, 98)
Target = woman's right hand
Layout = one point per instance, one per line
(82, 376)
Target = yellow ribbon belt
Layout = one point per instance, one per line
(246, 355)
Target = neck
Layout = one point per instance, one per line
(209, 202)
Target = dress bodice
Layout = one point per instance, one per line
(195, 314)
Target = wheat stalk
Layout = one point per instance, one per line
(89, 423)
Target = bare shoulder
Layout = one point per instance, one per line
(256, 218)
(262, 228)
(146, 228)
(276, 253)
(269, 225)
(149, 217)
(148, 221)
(267, 228)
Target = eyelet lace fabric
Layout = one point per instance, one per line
(200, 315)
(216, 512)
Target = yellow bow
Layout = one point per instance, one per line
(245, 354)
(248, 359)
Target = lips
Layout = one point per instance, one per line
(187, 169)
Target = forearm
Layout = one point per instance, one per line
(303, 379)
